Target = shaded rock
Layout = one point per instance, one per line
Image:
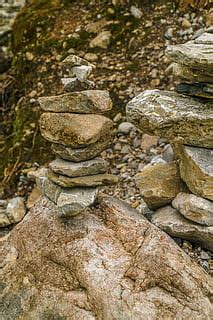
(86, 181)
(191, 74)
(203, 90)
(81, 72)
(102, 40)
(82, 154)
(172, 222)
(196, 169)
(125, 127)
(88, 101)
(16, 209)
(74, 130)
(73, 169)
(148, 141)
(194, 208)
(34, 196)
(192, 54)
(172, 116)
(73, 61)
(49, 189)
(168, 153)
(73, 84)
(159, 184)
(4, 220)
(108, 263)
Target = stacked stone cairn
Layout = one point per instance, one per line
(74, 124)
(181, 192)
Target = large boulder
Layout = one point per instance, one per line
(172, 116)
(108, 263)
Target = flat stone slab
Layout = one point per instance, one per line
(194, 208)
(73, 61)
(74, 130)
(194, 54)
(88, 101)
(173, 116)
(159, 184)
(86, 181)
(203, 90)
(204, 38)
(73, 84)
(173, 223)
(191, 74)
(196, 169)
(86, 153)
(74, 169)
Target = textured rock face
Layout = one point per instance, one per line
(75, 130)
(203, 90)
(73, 61)
(88, 101)
(159, 184)
(196, 169)
(173, 116)
(109, 263)
(190, 74)
(82, 154)
(194, 208)
(172, 222)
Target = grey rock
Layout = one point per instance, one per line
(194, 208)
(50, 190)
(88, 101)
(172, 222)
(168, 153)
(74, 130)
(84, 168)
(83, 154)
(125, 127)
(193, 75)
(136, 12)
(72, 202)
(196, 169)
(172, 116)
(73, 84)
(205, 38)
(3, 203)
(203, 90)
(81, 72)
(157, 159)
(86, 181)
(16, 209)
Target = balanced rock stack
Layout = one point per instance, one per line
(185, 118)
(74, 123)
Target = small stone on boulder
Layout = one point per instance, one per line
(81, 72)
(125, 127)
(16, 209)
(73, 84)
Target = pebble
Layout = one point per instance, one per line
(125, 127)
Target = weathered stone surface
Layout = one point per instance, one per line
(73, 84)
(74, 130)
(82, 154)
(203, 90)
(108, 263)
(173, 116)
(86, 181)
(88, 101)
(4, 221)
(204, 38)
(74, 201)
(73, 169)
(73, 61)
(190, 74)
(81, 72)
(192, 54)
(49, 189)
(172, 222)
(16, 209)
(102, 40)
(194, 208)
(159, 184)
(196, 169)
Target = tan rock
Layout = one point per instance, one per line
(74, 130)
(148, 141)
(102, 40)
(88, 101)
(159, 184)
(73, 61)
(196, 169)
(108, 263)
(34, 196)
(171, 221)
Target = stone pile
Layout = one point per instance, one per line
(185, 118)
(74, 123)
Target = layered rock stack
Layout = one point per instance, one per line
(185, 118)
(74, 123)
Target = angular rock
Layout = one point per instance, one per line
(159, 184)
(102, 40)
(16, 209)
(192, 54)
(204, 38)
(191, 74)
(50, 189)
(4, 220)
(108, 263)
(203, 90)
(73, 61)
(86, 102)
(86, 181)
(172, 116)
(82, 154)
(148, 141)
(196, 169)
(73, 84)
(74, 201)
(171, 221)
(194, 208)
(81, 72)
(74, 130)
(73, 169)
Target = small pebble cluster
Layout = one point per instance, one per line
(74, 123)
